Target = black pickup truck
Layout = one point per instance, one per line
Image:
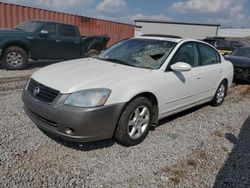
(37, 39)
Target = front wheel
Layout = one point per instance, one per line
(15, 58)
(135, 122)
(220, 94)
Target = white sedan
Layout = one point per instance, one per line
(126, 89)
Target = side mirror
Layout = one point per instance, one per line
(181, 67)
(44, 33)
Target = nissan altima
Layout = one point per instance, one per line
(126, 89)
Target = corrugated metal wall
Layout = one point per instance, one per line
(11, 15)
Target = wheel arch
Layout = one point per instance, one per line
(152, 97)
(17, 44)
(227, 84)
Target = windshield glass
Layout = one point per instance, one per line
(28, 26)
(242, 52)
(142, 53)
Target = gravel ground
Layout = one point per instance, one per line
(202, 147)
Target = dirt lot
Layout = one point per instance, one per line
(202, 147)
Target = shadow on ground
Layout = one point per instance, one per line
(40, 64)
(236, 169)
(240, 82)
(180, 114)
(82, 146)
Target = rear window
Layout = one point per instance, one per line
(68, 31)
(209, 56)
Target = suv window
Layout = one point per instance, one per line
(67, 31)
(187, 53)
(51, 28)
(208, 55)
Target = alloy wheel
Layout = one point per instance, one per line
(221, 93)
(14, 58)
(138, 122)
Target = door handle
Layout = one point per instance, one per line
(58, 41)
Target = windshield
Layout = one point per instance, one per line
(142, 53)
(242, 52)
(28, 26)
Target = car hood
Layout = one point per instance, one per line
(238, 61)
(80, 74)
(11, 32)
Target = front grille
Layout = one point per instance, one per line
(238, 70)
(242, 73)
(42, 92)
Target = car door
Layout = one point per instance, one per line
(70, 41)
(182, 88)
(44, 45)
(211, 70)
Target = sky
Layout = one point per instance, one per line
(227, 13)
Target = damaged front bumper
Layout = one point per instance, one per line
(242, 73)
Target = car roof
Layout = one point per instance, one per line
(177, 40)
(243, 48)
(171, 38)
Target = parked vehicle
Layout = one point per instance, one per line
(241, 62)
(128, 87)
(237, 44)
(36, 39)
(224, 46)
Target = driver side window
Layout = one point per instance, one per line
(51, 28)
(188, 54)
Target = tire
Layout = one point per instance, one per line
(129, 134)
(14, 58)
(220, 94)
(92, 53)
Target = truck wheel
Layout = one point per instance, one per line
(134, 123)
(15, 58)
(92, 53)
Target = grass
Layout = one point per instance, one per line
(180, 171)
(218, 133)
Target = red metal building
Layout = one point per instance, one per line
(11, 15)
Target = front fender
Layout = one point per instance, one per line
(127, 90)
(6, 42)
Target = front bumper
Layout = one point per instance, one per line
(242, 73)
(72, 123)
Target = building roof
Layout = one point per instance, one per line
(234, 32)
(171, 22)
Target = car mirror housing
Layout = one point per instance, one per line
(181, 67)
(44, 33)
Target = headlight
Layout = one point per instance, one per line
(88, 98)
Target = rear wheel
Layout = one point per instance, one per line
(92, 53)
(135, 122)
(15, 58)
(220, 94)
